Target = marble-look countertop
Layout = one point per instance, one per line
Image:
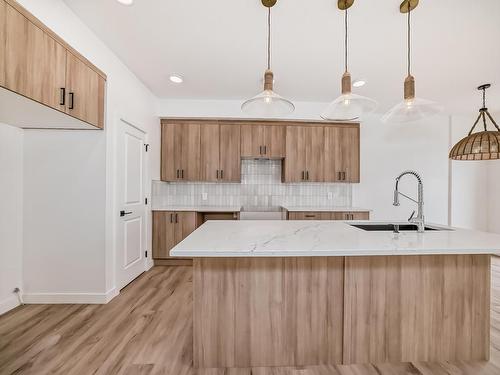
(325, 238)
(324, 209)
(198, 208)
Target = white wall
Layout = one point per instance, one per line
(386, 151)
(69, 237)
(11, 214)
(469, 183)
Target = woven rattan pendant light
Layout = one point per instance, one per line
(411, 108)
(482, 145)
(268, 103)
(348, 106)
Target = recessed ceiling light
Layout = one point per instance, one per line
(126, 2)
(359, 83)
(176, 78)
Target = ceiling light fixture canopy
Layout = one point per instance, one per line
(482, 145)
(412, 108)
(268, 103)
(126, 2)
(348, 106)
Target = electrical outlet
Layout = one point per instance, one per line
(330, 195)
(204, 196)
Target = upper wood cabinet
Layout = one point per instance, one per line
(3, 25)
(180, 152)
(39, 65)
(85, 90)
(263, 141)
(304, 154)
(342, 151)
(230, 153)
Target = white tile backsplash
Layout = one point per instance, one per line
(260, 189)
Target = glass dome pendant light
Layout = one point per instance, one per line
(484, 145)
(412, 108)
(268, 103)
(348, 106)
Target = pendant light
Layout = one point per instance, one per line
(412, 108)
(268, 103)
(482, 145)
(348, 106)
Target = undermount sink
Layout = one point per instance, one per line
(393, 227)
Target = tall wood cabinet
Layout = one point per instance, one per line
(206, 151)
(342, 151)
(304, 154)
(263, 141)
(36, 63)
(170, 228)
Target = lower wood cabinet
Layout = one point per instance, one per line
(364, 215)
(170, 228)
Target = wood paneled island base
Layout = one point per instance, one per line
(287, 311)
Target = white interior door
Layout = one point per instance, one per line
(131, 228)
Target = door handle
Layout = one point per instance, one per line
(71, 100)
(62, 98)
(123, 213)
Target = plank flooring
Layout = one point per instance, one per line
(148, 330)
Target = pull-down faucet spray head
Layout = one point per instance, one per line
(396, 194)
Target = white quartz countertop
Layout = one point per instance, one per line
(324, 209)
(198, 208)
(325, 238)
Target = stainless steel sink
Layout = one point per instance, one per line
(382, 227)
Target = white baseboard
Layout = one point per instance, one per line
(70, 298)
(8, 304)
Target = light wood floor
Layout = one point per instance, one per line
(147, 329)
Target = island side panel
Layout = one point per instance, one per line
(417, 308)
(262, 312)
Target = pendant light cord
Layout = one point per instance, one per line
(346, 41)
(409, 37)
(269, 38)
(484, 97)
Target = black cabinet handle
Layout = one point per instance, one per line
(123, 213)
(303, 175)
(265, 150)
(62, 98)
(182, 173)
(176, 217)
(171, 218)
(217, 174)
(307, 175)
(339, 175)
(343, 176)
(311, 216)
(222, 174)
(71, 100)
(177, 173)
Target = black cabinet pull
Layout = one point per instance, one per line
(217, 174)
(339, 175)
(123, 213)
(303, 175)
(222, 174)
(265, 150)
(182, 173)
(171, 218)
(307, 175)
(311, 216)
(71, 100)
(62, 98)
(343, 176)
(176, 217)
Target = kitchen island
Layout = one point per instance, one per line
(296, 293)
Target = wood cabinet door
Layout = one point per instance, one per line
(252, 141)
(209, 152)
(163, 234)
(230, 153)
(294, 166)
(309, 216)
(2, 42)
(85, 92)
(274, 141)
(315, 146)
(342, 151)
(35, 64)
(185, 224)
(190, 151)
(170, 147)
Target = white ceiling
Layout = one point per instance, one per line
(219, 47)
